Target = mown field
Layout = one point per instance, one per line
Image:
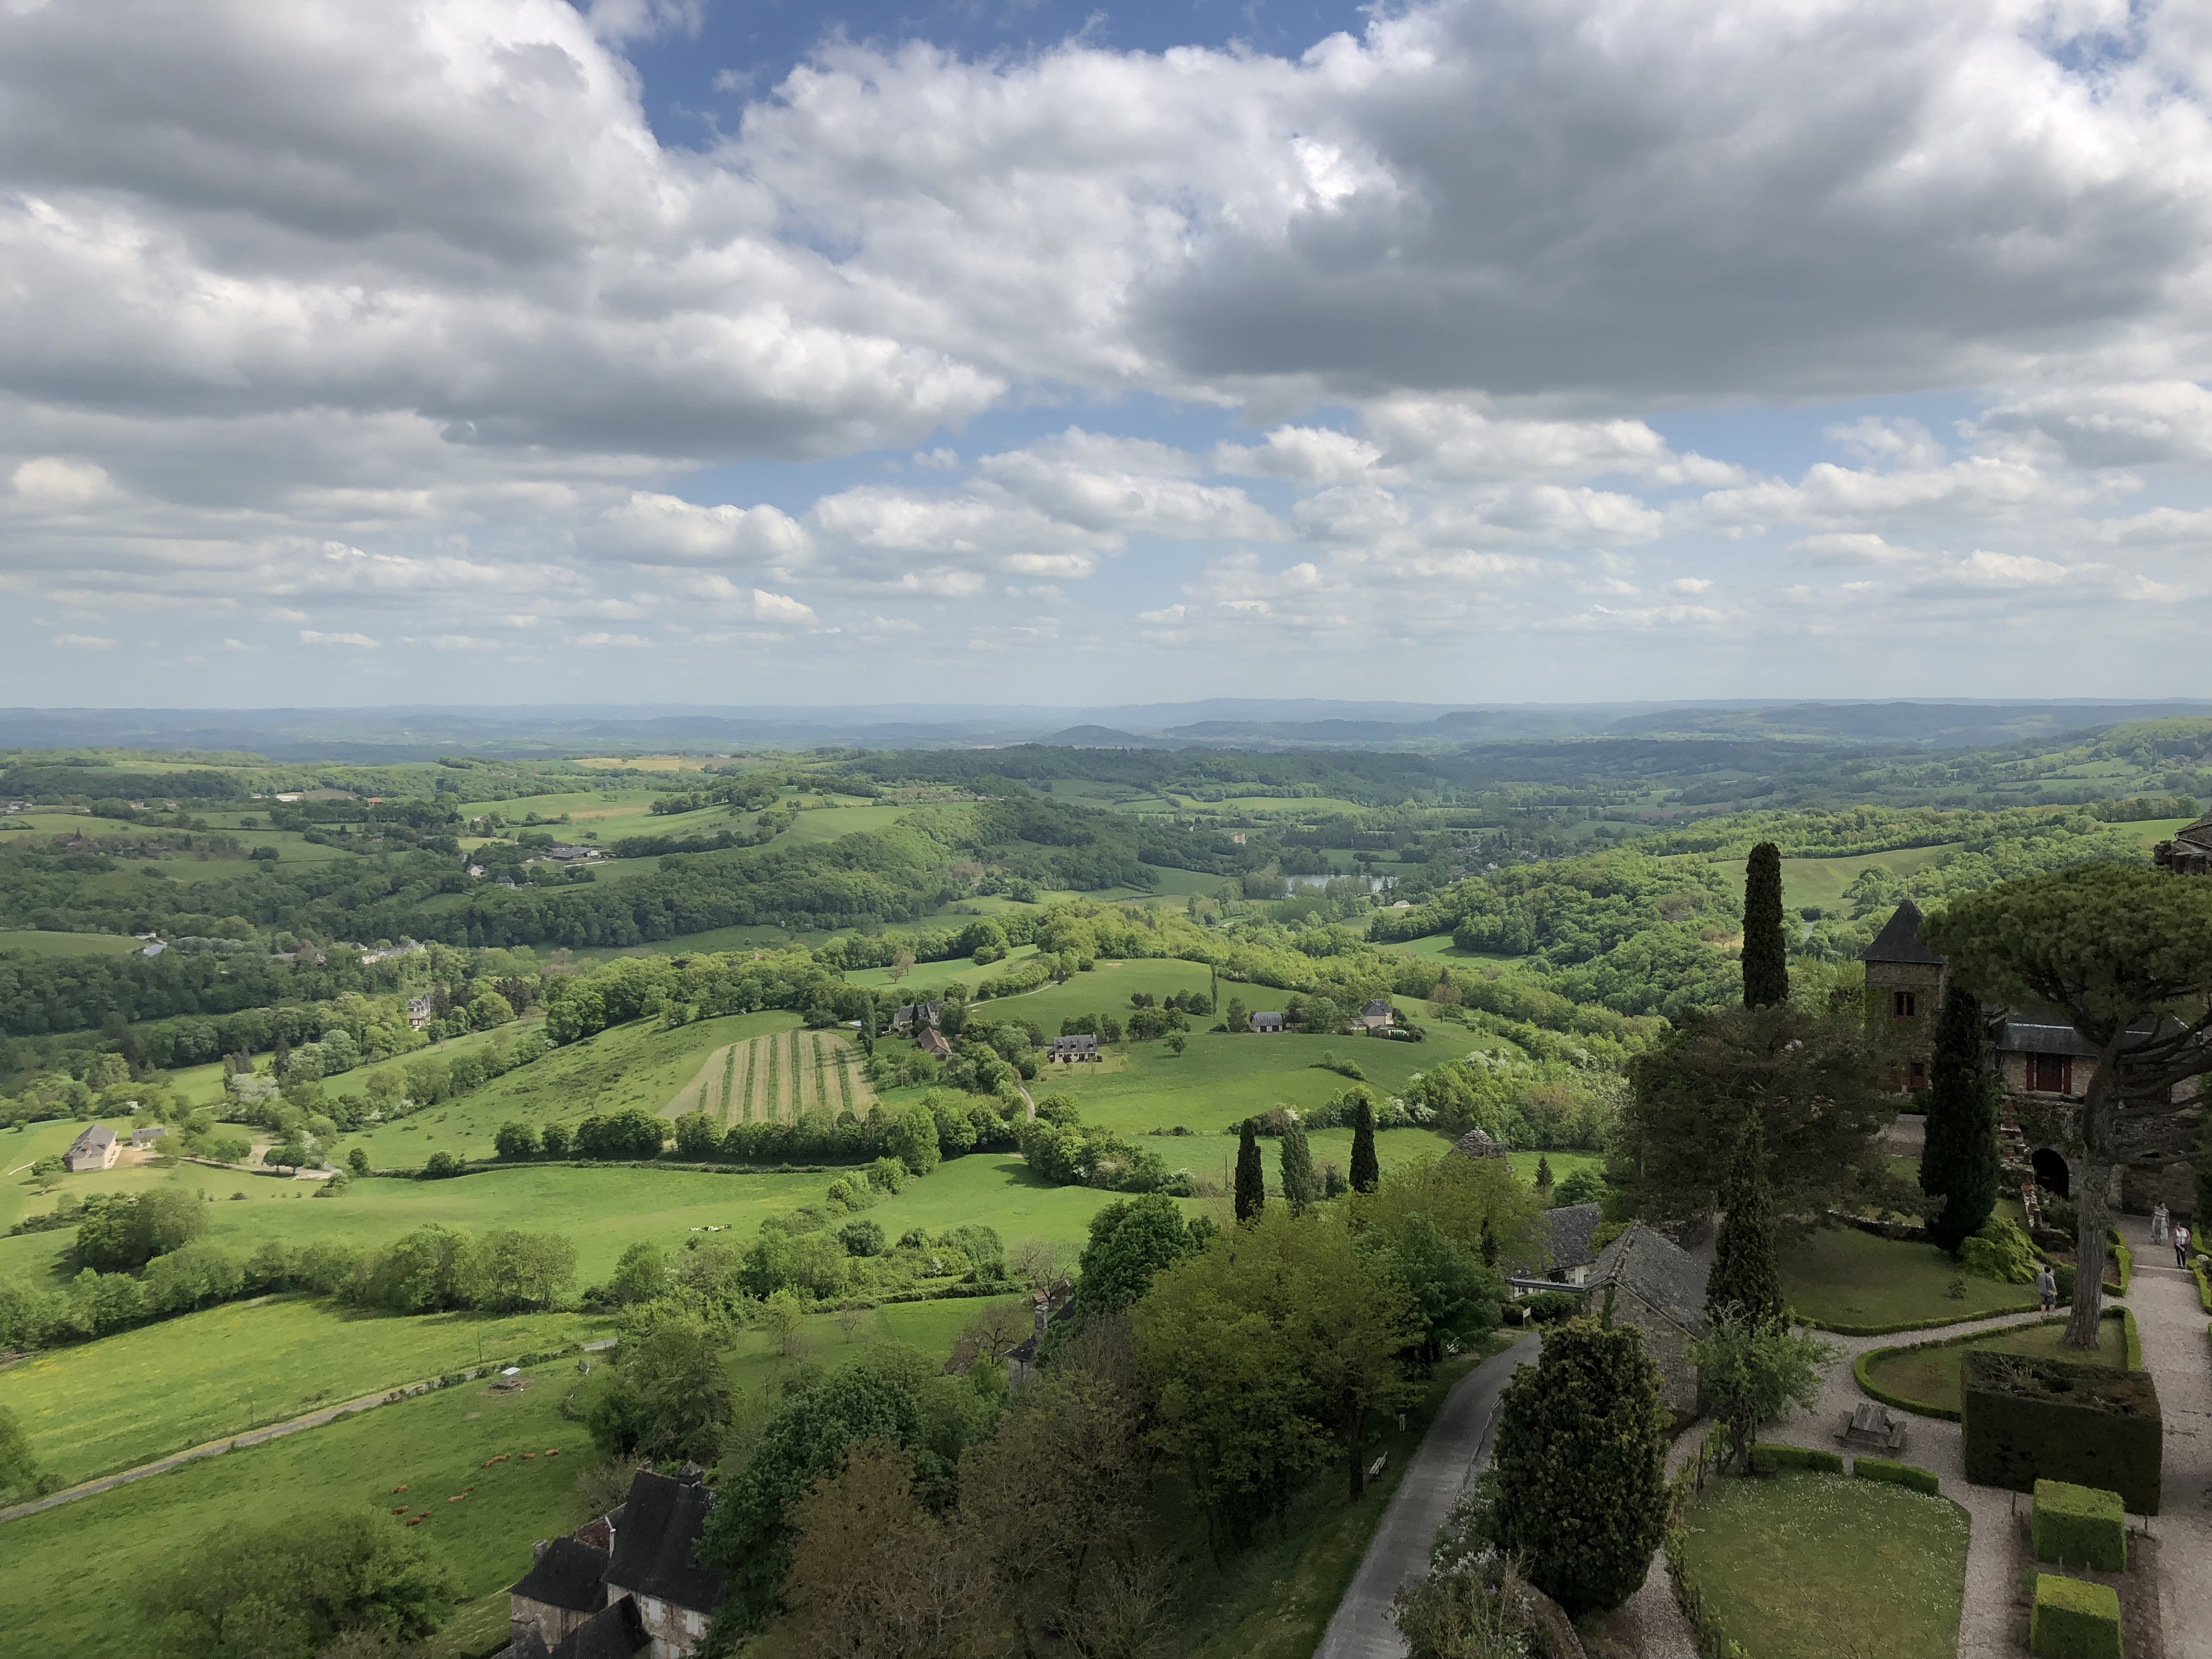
(140, 1395)
(67, 944)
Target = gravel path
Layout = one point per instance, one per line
(2173, 1329)
(232, 1442)
(1448, 1454)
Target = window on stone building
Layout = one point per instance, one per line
(1902, 1005)
(2053, 1074)
(1916, 1076)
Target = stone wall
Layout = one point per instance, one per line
(2155, 1146)
(1668, 1344)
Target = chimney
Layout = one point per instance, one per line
(1044, 1313)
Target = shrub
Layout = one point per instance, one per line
(1768, 1457)
(1548, 1307)
(1896, 1474)
(2000, 1251)
(862, 1237)
(2073, 1620)
(442, 1165)
(2036, 1419)
(2080, 1524)
(515, 1141)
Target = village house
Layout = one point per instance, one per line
(147, 1135)
(625, 1585)
(1658, 1287)
(95, 1149)
(2190, 852)
(1570, 1232)
(1268, 1024)
(906, 1017)
(1377, 1016)
(418, 1011)
(932, 1042)
(1074, 1049)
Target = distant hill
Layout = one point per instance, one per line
(1102, 737)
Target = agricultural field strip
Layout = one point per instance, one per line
(795, 1077)
(217, 1448)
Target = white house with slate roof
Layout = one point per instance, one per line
(95, 1149)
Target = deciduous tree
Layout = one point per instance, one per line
(1753, 1370)
(1131, 1239)
(2126, 954)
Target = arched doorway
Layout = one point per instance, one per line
(2051, 1174)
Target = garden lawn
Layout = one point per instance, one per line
(1932, 1376)
(140, 1395)
(1841, 1276)
(603, 1211)
(1822, 1566)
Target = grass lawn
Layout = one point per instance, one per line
(140, 1395)
(36, 943)
(603, 1211)
(1841, 1276)
(1934, 1375)
(1822, 1566)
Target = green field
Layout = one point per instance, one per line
(777, 1078)
(141, 1394)
(632, 1065)
(68, 945)
(1934, 1376)
(601, 1211)
(1821, 1567)
(435, 1446)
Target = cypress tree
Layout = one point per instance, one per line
(1543, 1181)
(1251, 1179)
(1301, 1186)
(1765, 948)
(1959, 1162)
(1581, 1461)
(1366, 1173)
(1745, 1282)
(1489, 1244)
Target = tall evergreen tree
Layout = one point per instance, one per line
(1366, 1173)
(1959, 1162)
(1765, 947)
(1543, 1181)
(1746, 1284)
(1489, 1243)
(1301, 1186)
(1251, 1179)
(1582, 1465)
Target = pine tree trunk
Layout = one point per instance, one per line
(2089, 1252)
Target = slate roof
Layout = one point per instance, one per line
(1571, 1229)
(2021, 1036)
(1078, 1043)
(568, 1575)
(1660, 1274)
(97, 1138)
(619, 1633)
(1266, 1021)
(653, 1544)
(1899, 940)
(1475, 1144)
(2198, 834)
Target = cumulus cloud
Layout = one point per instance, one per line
(82, 642)
(358, 641)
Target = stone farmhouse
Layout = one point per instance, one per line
(1267, 1024)
(932, 1043)
(624, 1587)
(905, 1017)
(1377, 1016)
(1658, 1287)
(95, 1149)
(1074, 1049)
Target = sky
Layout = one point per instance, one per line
(512, 351)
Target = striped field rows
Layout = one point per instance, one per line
(777, 1079)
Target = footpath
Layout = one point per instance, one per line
(314, 1420)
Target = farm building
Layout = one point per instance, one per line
(2190, 852)
(146, 1136)
(932, 1043)
(1377, 1016)
(1658, 1287)
(1268, 1024)
(639, 1593)
(1070, 1050)
(906, 1017)
(1476, 1145)
(95, 1149)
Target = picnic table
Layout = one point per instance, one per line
(1874, 1428)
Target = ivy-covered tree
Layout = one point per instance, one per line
(1251, 1178)
(1366, 1172)
(1766, 946)
(2126, 955)
(1959, 1161)
(1581, 1463)
(1745, 1283)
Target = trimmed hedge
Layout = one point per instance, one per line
(1925, 1408)
(2080, 1525)
(2126, 1258)
(2037, 1419)
(2074, 1620)
(1923, 1324)
(1897, 1474)
(2204, 1284)
(1767, 1456)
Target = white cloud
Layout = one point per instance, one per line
(666, 530)
(54, 481)
(603, 641)
(359, 641)
(82, 643)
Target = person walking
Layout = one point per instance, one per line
(2160, 1221)
(2046, 1286)
(2180, 1247)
